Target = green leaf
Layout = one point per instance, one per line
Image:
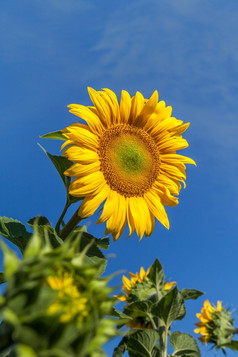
(170, 307)
(142, 342)
(56, 135)
(191, 294)
(15, 232)
(38, 220)
(62, 164)
(233, 345)
(184, 345)
(41, 226)
(121, 348)
(156, 274)
(138, 309)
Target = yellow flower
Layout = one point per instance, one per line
(205, 317)
(69, 300)
(126, 156)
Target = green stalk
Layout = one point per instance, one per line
(72, 223)
(57, 227)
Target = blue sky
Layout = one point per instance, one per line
(187, 50)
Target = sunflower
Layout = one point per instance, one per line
(141, 281)
(126, 156)
(206, 317)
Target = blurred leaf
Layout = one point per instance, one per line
(25, 351)
(184, 345)
(100, 262)
(34, 245)
(156, 274)
(191, 294)
(15, 232)
(170, 307)
(142, 342)
(2, 279)
(9, 352)
(55, 135)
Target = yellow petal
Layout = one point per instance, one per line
(81, 135)
(86, 114)
(157, 208)
(91, 203)
(101, 106)
(137, 104)
(147, 110)
(87, 185)
(125, 106)
(79, 169)
(83, 156)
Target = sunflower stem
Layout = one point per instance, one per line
(72, 223)
(57, 226)
(164, 341)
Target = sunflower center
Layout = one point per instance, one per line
(129, 160)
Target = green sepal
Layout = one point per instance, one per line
(191, 294)
(170, 307)
(233, 345)
(15, 232)
(142, 343)
(184, 345)
(156, 275)
(34, 246)
(55, 135)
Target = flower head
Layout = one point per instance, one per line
(126, 156)
(69, 300)
(216, 324)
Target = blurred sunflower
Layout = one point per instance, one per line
(126, 156)
(69, 301)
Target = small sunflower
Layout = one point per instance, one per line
(216, 324)
(126, 156)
